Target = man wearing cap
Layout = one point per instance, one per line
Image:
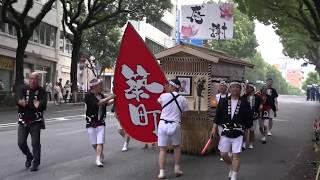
(96, 104)
(233, 114)
(32, 102)
(169, 129)
(274, 97)
(223, 91)
(254, 101)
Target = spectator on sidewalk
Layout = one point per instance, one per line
(57, 94)
(49, 90)
(67, 91)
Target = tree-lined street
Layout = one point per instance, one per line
(66, 153)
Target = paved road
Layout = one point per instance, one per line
(66, 153)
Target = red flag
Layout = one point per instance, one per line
(138, 83)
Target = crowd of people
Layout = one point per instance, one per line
(236, 120)
(237, 117)
(59, 93)
(313, 92)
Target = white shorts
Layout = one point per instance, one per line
(169, 134)
(96, 135)
(254, 125)
(230, 145)
(263, 122)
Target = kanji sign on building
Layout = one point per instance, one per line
(138, 83)
(207, 21)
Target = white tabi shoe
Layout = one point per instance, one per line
(98, 162)
(263, 140)
(230, 174)
(269, 133)
(250, 146)
(124, 149)
(162, 174)
(243, 146)
(177, 171)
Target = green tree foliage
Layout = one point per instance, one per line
(101, 43)
(244, 43)
(258, 73)
(313, 78)
(81, 15)
(278, 82)
(296, 22)
(244, 46)
(294, 91)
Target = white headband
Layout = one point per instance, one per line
(235, 83)
(251, 85)
(223, 83)
(174, 84)
(91, 84)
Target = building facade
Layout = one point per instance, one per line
(47, 53)
(295, 77)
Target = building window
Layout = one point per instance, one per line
(2, 27)
(2, 24)
(53, 36)
(48, 33)
(42, 33)
(162, 26)
(154, 47)
(36, 35)
(65, 44)
(12, 30)
(61, 42)
(68, 46)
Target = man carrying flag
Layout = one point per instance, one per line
(96, 104)
(169, 130)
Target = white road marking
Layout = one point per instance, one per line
(70, 110)
(281, 120)
(56, 119)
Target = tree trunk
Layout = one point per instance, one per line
(22, 45)
(74, 64)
